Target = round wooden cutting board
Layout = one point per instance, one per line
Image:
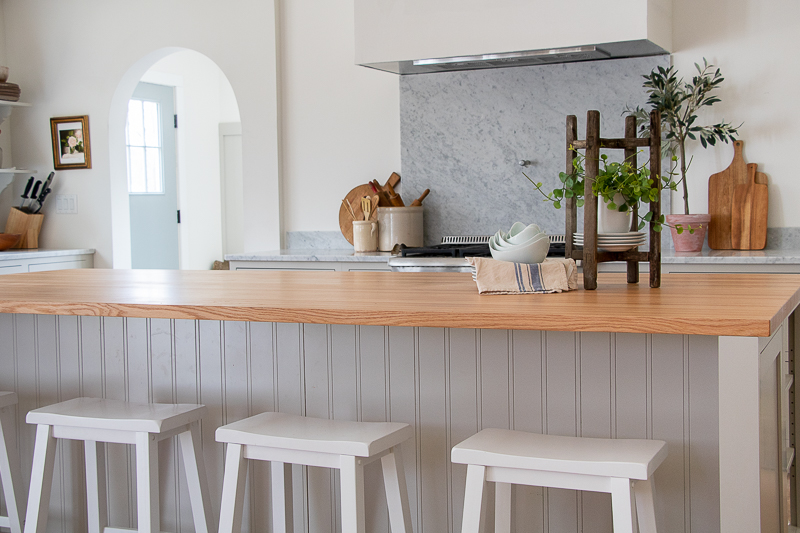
(354, 197)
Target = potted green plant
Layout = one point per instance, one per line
(622, 186)
(679, 102)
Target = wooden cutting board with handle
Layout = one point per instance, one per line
(749, 212)
(721, 187)
(354, 198)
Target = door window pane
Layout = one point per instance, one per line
(143, 138)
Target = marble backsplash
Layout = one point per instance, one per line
(463, 134)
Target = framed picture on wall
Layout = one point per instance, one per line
(71, 142)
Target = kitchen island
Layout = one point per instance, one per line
(701, 363)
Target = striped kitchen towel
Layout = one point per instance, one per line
(502, 277)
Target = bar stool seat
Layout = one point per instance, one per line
(285, 439)
(622, 467)
(94, 420)
(9, 465)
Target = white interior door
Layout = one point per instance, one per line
(232, 190)
(152, 184)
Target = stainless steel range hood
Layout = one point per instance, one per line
(525, 58)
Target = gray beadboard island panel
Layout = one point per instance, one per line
(447, 383)
(463, 133)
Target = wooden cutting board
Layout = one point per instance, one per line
(354, 198)
(721, 188)
(749, 212)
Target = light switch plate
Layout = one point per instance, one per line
(67, 204)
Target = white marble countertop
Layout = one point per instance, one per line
(347, 256)
(36, 253)
(732, 257)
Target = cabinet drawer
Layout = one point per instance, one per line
(12, 269)
(56, 265)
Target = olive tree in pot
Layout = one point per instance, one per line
(679, 102)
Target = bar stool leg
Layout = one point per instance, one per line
(230, 514)
(473, 499)
(622, 505)
(281, 486)
(44, 456)
(147, 483)
(645, 509)
(351, 478)
(502, 508)
(10, 472)
(97, 514)
(394, 481)
(197, 480)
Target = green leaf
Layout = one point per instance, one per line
(641, 226)
(557, 204)
(580, 202)
(568, 193)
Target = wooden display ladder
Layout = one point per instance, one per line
(589, 255)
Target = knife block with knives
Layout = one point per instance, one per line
(738, 204)
(26, 219)
(26, 224)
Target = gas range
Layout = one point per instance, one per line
(449, 256)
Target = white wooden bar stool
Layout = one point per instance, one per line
(621, 467)
(94, 420)
(9, 465)
(287, 439)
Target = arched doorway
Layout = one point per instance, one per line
(208, 195)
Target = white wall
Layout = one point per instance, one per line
(86, 58)
(204, 98)
(340, 123)
(754, 42)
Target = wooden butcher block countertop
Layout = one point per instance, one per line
(700, 304)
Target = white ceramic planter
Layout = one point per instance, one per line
(613, 221)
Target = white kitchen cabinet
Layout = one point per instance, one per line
(17, 261)
(399, 30)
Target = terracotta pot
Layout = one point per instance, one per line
(689, 242)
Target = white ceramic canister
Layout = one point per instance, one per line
(399, 225)
(365, 235)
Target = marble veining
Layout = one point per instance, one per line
(463, 133)
(17, 254)
(322, 240)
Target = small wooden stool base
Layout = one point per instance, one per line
(346, 446)
(621, 467)
(94, 420)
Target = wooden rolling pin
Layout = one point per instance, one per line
(418, 201)
(395, 198)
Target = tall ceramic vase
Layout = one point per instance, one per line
(688, 242)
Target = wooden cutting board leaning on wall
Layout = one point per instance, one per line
(354, 199)
(738, 204)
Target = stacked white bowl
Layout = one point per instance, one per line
(521, 244)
